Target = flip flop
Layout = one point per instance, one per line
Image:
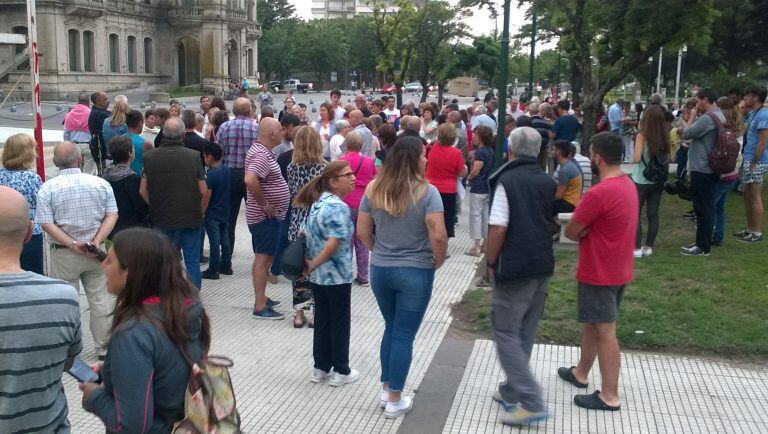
(567, 375)
(593, 402)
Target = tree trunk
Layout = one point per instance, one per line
(424, 89)
(440, 92)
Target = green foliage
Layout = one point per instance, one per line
(277, 48)
(270, 12)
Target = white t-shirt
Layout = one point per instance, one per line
(500, 208)
(391, 114)
(339, 115)
(336, 147)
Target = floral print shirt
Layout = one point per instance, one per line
(27, 183)
(329, 217)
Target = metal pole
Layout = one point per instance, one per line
(658, 76)
(503, 78)
(677, 79)
(533, 52)
(34, 63)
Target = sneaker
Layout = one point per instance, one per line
(383, 398)
(267, 313)
(318, 375)
(521, 417)
(693, 251)
(210, 274)
(340, 380)
(647, 251)
(363, 283)
(272, 303)
(750, 238)
(204, 259)
(396, 409)
(741, 234)
(638, 253)
(504, 404)
(272, 278)
(228, 271)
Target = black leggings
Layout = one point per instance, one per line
(650, 193)
(449, 212)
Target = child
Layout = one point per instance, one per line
(217, 213)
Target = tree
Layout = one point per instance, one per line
(328, 34)
(277, 50)
(606, 41)
(269, 12)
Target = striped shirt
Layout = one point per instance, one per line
(261, 161)
(39, 329)
(236, 137)
(76, 202)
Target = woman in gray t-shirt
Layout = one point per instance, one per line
(401, 222)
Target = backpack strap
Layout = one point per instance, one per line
(718, 123)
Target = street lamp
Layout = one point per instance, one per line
(683, 50)
(650, 77)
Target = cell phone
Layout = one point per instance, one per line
(82, 372)
(101, 255)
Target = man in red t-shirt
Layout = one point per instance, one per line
(604, 224)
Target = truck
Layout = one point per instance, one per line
(295, 85)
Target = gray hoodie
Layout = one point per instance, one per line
(703, 135)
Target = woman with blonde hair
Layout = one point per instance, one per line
(115, 125)
(329, 268)
(306, 164)
(409, 245)
(19, 156)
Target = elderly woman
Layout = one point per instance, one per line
(445, 164)
(19, 156)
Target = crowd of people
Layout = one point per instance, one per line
(383, 184)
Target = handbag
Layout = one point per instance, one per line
(293, 261)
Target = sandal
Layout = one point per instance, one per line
(593, 402)
(567, 375)
(299, 324)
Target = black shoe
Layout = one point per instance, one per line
(750, 238)
(209, 274)
(693, 251)
(228, 271)
(741, 234)
(204, 259)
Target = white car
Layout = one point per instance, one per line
(413, 87)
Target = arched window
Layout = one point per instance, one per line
(73, 42)
(148, 55)
(114, 53)
(131, 54)
(88, 51)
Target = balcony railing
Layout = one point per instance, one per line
(234, 14)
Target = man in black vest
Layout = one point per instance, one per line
(99, 112)
(520, 263)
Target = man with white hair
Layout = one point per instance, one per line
(78, 211)
(356, 122)
(520, 264)
(514, 107)
(482, 118)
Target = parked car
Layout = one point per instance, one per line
(389, 88)
(413, 87)
(296, 85)
(274, 84)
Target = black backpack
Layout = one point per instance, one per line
(657, 169)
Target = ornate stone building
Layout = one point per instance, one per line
(89, 45)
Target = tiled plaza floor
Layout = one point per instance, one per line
(273, 360)
(659, 394)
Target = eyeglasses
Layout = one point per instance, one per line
(348, 175)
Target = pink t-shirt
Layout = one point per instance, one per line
(609, 210)
(364, 175)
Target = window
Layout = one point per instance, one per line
(73, 41)
(88, 52)
(132, 54)
(148, 55)
(114, 53)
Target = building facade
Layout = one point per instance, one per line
(328, 9)
(88, 45)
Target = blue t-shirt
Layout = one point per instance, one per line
(217, 180)
(137, 165)
(330, 217)
(566, 128)
(480, 182)
(615, 115)
(757, 123)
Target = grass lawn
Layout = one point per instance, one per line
(715, 305)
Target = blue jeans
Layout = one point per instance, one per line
(403, 294)
(188, 241)
(218, 238)
(32, 255)
(721, 197)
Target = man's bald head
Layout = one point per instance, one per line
(15, 225)
(454, 117)
(413, 123)
(270, 132)
(242, 107)
(66, 155)
(355, 118)
(360, 101)
(173, 129)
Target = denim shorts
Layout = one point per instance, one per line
(264, 236)
(599, 304)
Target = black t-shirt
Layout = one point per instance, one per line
(283, 161)
(196, 143)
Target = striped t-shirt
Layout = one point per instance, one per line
(261, 161)
(39, 329)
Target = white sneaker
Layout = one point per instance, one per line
(318, 375)
(340, 380)
(396, 409)
(638, 253)
(383, 398)
(647, 251)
